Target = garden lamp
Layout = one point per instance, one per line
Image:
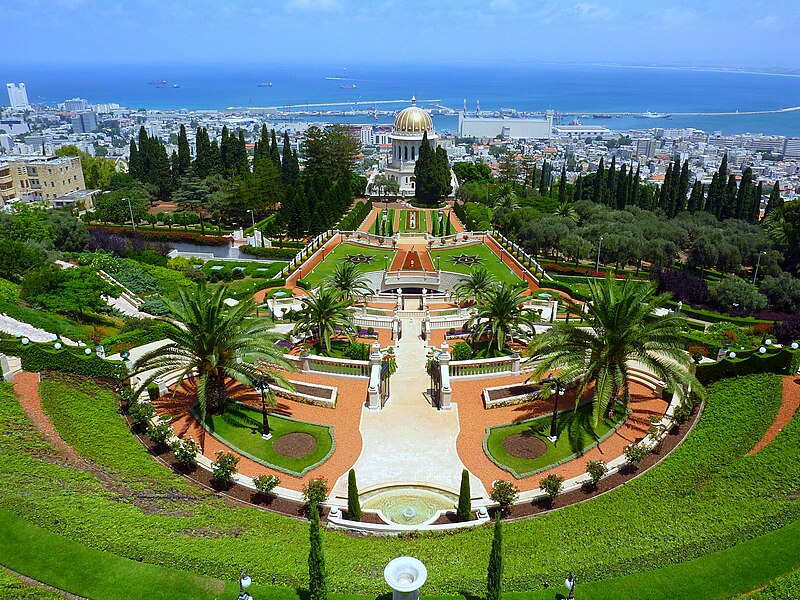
(762, 350)
(560, 389)
(795, 345)
(569, 582)
(244, 585)
(262, 385)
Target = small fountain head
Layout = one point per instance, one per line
(405, 575)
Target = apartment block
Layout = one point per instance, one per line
(39, 178)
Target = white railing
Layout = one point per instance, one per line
(485, 366)
(517, 248)
(307, 252)
(335, 366)
(372, 321)
(411, 277)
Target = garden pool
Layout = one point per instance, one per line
(408, 505)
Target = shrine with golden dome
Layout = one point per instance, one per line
(411, 124)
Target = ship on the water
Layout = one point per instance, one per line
(167, 86)
(653, 115)
(157, 82)
(265, 84)
(348, 86)
(601, 116)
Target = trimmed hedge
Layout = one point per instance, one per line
(39, 357)
(355, 217)
(281, 253)
(563, 287)
(165, 236)
(779, 362)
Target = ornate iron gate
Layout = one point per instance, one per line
(385, 389)
(436, 383)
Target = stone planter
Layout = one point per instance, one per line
(405, 575)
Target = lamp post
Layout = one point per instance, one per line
(560, 389)
(758, 263)
(599, 247)
(130, 208)
(569, 582)
(385, 258)
(262, 386)
(244, 585)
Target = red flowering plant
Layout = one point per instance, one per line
(697, 352)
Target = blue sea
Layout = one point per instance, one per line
(527, 87)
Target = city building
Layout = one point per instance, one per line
(39, 178)
(17, 96)
(84, 122)
(75, 104)
(506, 128)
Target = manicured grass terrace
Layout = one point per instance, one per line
(576, 434)
(488, 259)
(340, 254)
(421, 224)
(707, 496)
(241, 428)
(260, 270)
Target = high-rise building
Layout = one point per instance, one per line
(17, 95)
(75, 104)
(791, 148)
(84, 122)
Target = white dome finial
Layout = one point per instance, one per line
(413, 100)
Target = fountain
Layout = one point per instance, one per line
(408, 505)
(405, 575)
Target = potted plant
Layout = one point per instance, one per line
(697, 352)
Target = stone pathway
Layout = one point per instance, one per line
(409, 442)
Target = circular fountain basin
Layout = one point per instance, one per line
(408, 505)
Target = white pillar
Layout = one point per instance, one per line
(444, 363)
(5, 368)
(374, 390)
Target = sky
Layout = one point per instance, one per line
(725, 33)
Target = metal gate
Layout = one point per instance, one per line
(384, 388)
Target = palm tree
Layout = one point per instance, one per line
(501, 317)
(479, 283)
(348, 281)
(622, 329)
(565, 210)
(214, 342)
(324, 312)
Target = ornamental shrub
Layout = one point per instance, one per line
(552, 485)
(357, 351)
(266, 483)
(596, 470)
(504, 493)
(42, 357)
(224, 467)
(237, 274)
(159, 433)
(353, 502)
(636, 453)
(141, 413)
(462, 351)
(370, 330)
(152, 391)
(451, 331)
(185, 451)
(463, 512)
(316, 491)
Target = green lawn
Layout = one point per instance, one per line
(260, 270)
(421, 224)
(488, 259)
(708, 495)
(241, 428)
(340, 254)
(576, 434)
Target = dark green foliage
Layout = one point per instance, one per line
(358, 351)
(636, 453)
(494, 579)
(552, 485)
(462, 351)
(282, 253)
(315, 491)
(353, 503)
(224, 467)
(504, 493)
(463, 512)
(356, 216)
(432, 173)
(774, 201)
(751, 363)
(159, 433)
(41, 357)
(317, 585)
(596, 470)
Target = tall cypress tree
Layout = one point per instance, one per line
(683, 186)
(663, 192)
(317, 585)
(611, 183)
(134, 163)
(578, 192)
(184, 152)
(696, 197)
(774, 202)
(274, 151)
(622, 189)
(463, 512)
(599, 182)
(425, 173)
(543, 178)
(755, 205)
(744, 196)
(728, 206)
(494, 579)
(353, 503)
(562, 185)
(709, 205)
(635, 190)
(287, 176)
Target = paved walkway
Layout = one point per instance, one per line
(789, 406)
(408, 441)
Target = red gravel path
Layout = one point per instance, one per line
(789, 406)
(474, 419)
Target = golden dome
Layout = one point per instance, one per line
(413, 120)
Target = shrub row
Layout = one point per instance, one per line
(282, 253)
(356, 216)
(39, 357)
(165, 236)
(780, 362)
(563, 287)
